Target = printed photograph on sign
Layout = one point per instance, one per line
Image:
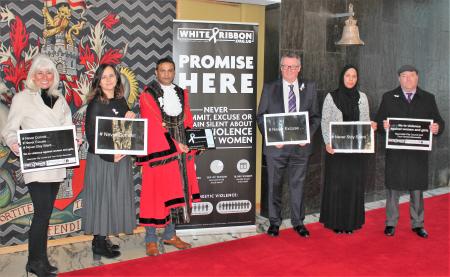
(114, 135)
(286, 128)
(352, 137)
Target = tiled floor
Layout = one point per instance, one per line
(78, 255)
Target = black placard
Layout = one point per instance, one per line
(352, 137)
(409, 133)
(115, 135)
(286, 128)
(47, 148)
(200, 139)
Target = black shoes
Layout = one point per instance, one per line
(109, 242)
(39, 268)
(301, 230)
(389, 231)
(273, 230)
(421, 232)
(101, 248)
(112, 245)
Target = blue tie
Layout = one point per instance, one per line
(292, 102)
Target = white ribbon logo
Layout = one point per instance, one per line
(215, 31)
(192, 138)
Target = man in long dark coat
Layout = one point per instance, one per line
(407, 170)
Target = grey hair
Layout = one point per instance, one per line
(291, 55)
(43, 62)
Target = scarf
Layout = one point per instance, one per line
(347, 99)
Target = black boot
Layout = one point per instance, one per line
(44, 258)
(109, 242)
(46, 262)
(50, 267)
(38, 268)
(112, 245)
(102, 249)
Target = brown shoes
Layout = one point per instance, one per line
(152, 249)
(177, 242)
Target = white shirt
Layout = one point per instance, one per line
(286, 90)
(412, 95)
(170, 101)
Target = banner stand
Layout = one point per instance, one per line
(217, 62)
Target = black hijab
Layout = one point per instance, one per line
(347, 99)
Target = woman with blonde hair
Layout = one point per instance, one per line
(39, 105)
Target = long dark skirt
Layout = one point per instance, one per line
(342, 204)
(108, 197)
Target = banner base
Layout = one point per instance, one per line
(217, 230)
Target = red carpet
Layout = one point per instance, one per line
(368, 252)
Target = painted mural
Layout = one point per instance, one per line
(78, 36)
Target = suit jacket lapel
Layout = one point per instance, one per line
(302, 95)
(279, 101)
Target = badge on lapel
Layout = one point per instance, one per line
(302, 86)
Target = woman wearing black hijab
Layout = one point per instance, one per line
(342, 207)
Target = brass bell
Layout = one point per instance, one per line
(350, 34)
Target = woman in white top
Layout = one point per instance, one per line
(39, 105)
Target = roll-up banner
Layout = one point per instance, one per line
(216, 61)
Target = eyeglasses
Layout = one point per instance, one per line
(290, 67)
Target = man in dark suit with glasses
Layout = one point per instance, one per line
(289, 94)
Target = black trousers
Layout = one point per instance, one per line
(43, 196)
(295, 166)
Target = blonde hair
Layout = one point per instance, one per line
(43, 62)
